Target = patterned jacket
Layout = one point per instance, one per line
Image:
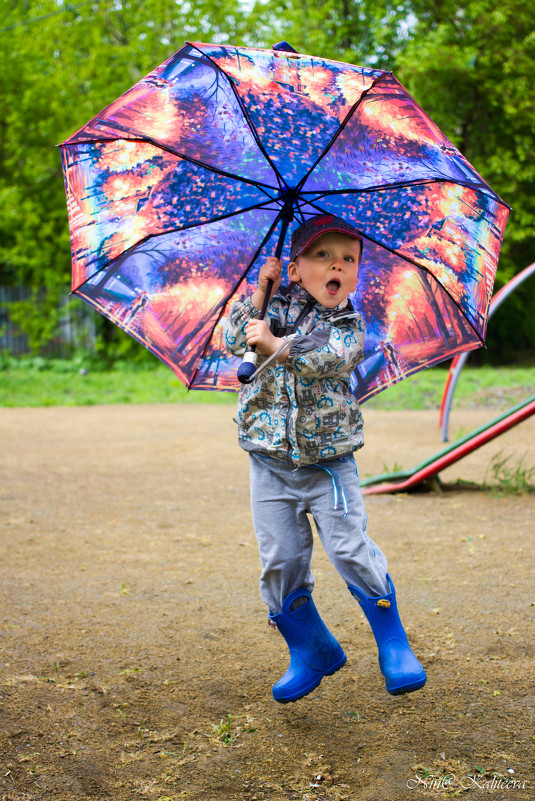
(301, 411)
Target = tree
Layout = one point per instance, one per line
(365, 32)
(61, 64)
(471, 65)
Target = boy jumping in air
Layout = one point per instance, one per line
(300, 423)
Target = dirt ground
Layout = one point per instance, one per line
(135, 659)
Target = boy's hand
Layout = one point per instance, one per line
(258, 333)
(270, 271)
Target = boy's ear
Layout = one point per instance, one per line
(293, 272)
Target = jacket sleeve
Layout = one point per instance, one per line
(240, 313)
(328, 351)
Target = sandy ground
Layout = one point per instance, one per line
(136, 662)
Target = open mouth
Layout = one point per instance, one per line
(333, 286)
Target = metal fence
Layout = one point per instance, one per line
(76, 327)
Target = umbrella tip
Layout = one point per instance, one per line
(284, 46)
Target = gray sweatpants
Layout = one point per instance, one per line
(281, 496)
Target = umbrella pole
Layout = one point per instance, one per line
(248, 365)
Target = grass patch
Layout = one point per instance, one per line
(497, 388)
(37, 382)
(510, 476)
(29, 385)
(224, 730)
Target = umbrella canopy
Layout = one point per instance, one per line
(179, 190)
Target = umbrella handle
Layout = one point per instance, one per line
(248, 365)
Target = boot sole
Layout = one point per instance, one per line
(408, 688)
(316, 683)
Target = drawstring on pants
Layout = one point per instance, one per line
(335, 478)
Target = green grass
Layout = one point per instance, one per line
(35, 382)
(509, 477)
(498, 388)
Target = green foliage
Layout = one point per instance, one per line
(82, 381)
(496, 388)
(509, 477)
(86, 381)
(470, 63)
(38, 318)
(61, 64)
(224, 730)
(366, 32)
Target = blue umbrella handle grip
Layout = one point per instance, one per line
(247, 367)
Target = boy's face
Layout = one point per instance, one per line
(328, 270)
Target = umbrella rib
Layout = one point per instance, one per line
(320, 196)
(249, 122)
(114, 261)
(343, 125)
(340, 129)
(415, 264)
(272, 228)
(259, 184)
(401, 185)
(298, 204)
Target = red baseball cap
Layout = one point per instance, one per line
(314, 227)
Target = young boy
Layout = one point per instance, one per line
(301, 423)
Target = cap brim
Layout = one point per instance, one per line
(328, 230)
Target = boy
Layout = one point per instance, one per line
(300, 423)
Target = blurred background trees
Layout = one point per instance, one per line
(469, 63)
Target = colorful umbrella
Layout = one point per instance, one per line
(179, 190)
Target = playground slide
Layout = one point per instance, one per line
(460, 360)
(406, 480)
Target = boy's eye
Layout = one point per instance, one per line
(322, 253)
(349, 258)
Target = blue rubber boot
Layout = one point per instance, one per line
(402, 671)
(314, 652)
